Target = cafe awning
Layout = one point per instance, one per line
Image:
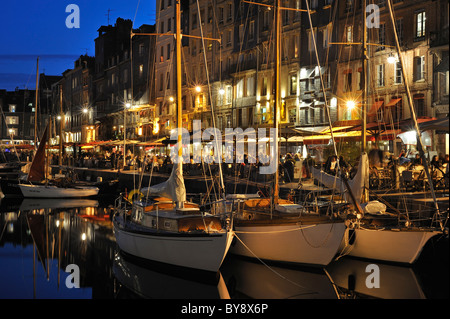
(441, 125)
(410, 138)
(156, 144)
(23, 146)
(375, 106)
(120, 142)
(393, 102)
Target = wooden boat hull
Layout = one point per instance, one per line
(42, 191)
(198, 251)
(313, 244)
(10, 186)
(400, 246)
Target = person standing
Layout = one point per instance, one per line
(113, 159)
(288, 166)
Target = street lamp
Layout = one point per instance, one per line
(391, 59)
(351, 104)
(127, 106)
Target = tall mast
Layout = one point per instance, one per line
(276, 109)
(412, 110)
(179, 97)
(364, 78)
(36, 104)
(61, 123)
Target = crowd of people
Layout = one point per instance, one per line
(113, 159)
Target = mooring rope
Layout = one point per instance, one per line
(270, 268)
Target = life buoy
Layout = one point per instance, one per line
(134, 192)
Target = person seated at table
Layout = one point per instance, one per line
(435, 163)
(342, 163)
(402, 159)
(331, 165)
(418, 160)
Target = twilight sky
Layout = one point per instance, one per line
(32, 28)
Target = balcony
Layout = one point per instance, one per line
(439, 38)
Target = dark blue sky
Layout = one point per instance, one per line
(32, 28)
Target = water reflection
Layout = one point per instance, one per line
(355, 279)
(39, 239)
(246, 278)
(156, 283)
(43, 237)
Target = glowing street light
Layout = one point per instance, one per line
(198, 89)
(391, 59)
(351, 104)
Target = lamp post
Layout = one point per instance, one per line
(391, 59)
(127, 106)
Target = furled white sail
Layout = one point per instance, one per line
(357, 183)
(173, 188)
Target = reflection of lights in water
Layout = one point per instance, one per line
(57, 223)
(83, 236)
(10, 228)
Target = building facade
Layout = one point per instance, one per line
(240, 67)
(128, 90)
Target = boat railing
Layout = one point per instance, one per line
(121, 203)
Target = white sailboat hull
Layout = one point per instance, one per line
(43, 191)
(203, 252)
(314, 244)
(401, 246)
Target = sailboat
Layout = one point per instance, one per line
(163, 226)
(37, 184)
(277, 229)
(377, 230)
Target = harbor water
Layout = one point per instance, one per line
(56, 249)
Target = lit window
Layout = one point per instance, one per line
(420, 24)
(293, 85)
(349, 33)
(380, 75)
(398, 73)
(419, 68)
